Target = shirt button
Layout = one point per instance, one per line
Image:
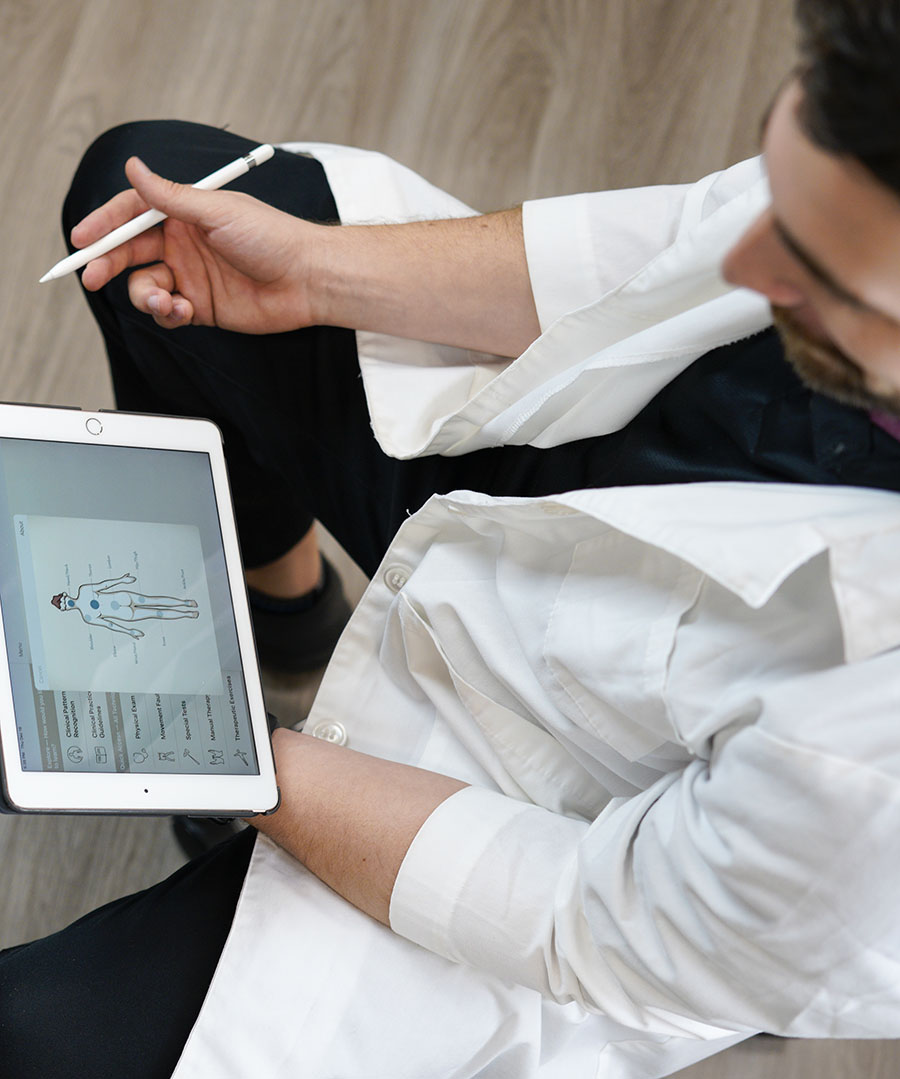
(396, 576)
(331, 731)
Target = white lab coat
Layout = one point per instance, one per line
(676, 705)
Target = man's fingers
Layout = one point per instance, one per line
(148, 189)
(151, 290)
(120, 208)
(147, 282)
(180, 310)
(177, 200)
(148, 247)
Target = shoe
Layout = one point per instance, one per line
(293, 642)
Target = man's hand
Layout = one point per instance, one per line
(225, 259)
(220, 259)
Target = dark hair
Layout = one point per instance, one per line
(849, 70)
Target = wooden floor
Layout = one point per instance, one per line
(495, 100)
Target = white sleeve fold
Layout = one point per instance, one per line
(753, 894)
(469, 891)
(580, 247)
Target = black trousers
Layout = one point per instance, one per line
(299, 446)
(116, 993)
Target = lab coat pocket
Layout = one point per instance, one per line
(609, 639)
(523, 759)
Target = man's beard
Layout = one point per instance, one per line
(826, 369)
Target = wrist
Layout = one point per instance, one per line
(344, 289)
(328, 275)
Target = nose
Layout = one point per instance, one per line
(759, 261)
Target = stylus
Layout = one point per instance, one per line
(149, 218)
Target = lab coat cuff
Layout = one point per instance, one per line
(560, 256)
(480, 882)
(441, 858)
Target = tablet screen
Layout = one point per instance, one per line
(120, 631)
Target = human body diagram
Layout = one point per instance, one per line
(103, 605)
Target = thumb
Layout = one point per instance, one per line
(180, 201)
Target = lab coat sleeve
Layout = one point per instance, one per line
(581, 251)
(757, 891)
(580, 247)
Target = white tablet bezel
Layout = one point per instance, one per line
(144, 793)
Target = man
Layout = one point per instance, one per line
(654, 807)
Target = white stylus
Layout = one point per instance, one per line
(149, 218)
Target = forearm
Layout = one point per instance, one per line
(461, 282)
(222, 258)
(350, 818)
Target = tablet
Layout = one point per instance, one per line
(128, 673)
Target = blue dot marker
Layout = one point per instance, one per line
(95, 604)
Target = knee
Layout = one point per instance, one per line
(165, 145)
(100, 173)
